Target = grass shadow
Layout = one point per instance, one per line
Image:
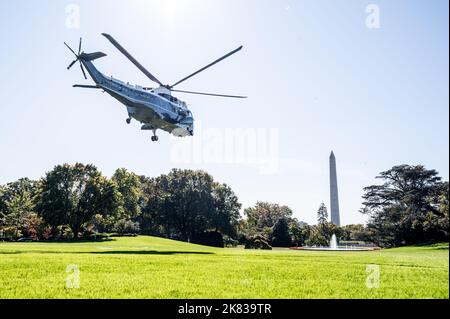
(150, 252)
(80, 241)
(113, 252)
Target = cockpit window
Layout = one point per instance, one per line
(169, 97)
(163, 95)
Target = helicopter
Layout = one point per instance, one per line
(155, 108)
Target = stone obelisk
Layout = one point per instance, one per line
(334, 198)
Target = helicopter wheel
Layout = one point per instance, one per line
(129, 120)
(155, 138)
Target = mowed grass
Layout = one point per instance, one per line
(149, 267)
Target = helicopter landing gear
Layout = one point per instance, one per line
(154, 137)
(129, 120)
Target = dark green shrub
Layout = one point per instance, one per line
(257, 242)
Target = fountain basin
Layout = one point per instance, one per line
(338, 248)
(335, 247)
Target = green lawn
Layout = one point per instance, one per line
(149, 267)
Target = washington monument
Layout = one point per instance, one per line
(334, 198)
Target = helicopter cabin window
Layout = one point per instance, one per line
(169, 97)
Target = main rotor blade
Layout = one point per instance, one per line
(131, 58)
(208, 66)
(82, 69)
(79, 47)
(211, 94)
(71, 49)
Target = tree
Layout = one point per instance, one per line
(264, 215)
(17, 203)
(152, 219)
(226, 209)
(320, 235)
(280, 234)
(439, 223)
(257, 241)
(355, 232)
(126, 227)
(2, 194)
(129, 186)
(405, 208)
(33, 227)
(322, 214)
(72, 195)
(185, 203)
(299, 232)
(261, 219)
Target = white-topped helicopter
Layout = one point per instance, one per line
(155, 108)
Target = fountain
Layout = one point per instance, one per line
(334, 247)
(333, 242)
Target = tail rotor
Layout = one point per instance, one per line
(77, 58)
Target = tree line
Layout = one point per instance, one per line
(74, 202)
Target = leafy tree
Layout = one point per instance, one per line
(33, 226)
(405, 209)
(299, 232)
(129, 186)
(317, 237)
(10, 190)
(72, 195)
(17, 203)
(322, 214)
(320, 235)
(126, 227)
(261, 220)
(226, 209)
(2, 194)
(280, 234)
(354, 233)
(152, 220)
(264, 215)
(257, 241)
(438, 224)
(186, 203)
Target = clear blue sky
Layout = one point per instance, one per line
(312, 70)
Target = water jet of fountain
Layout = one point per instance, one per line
(333, 242)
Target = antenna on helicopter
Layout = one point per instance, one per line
(170, 87)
